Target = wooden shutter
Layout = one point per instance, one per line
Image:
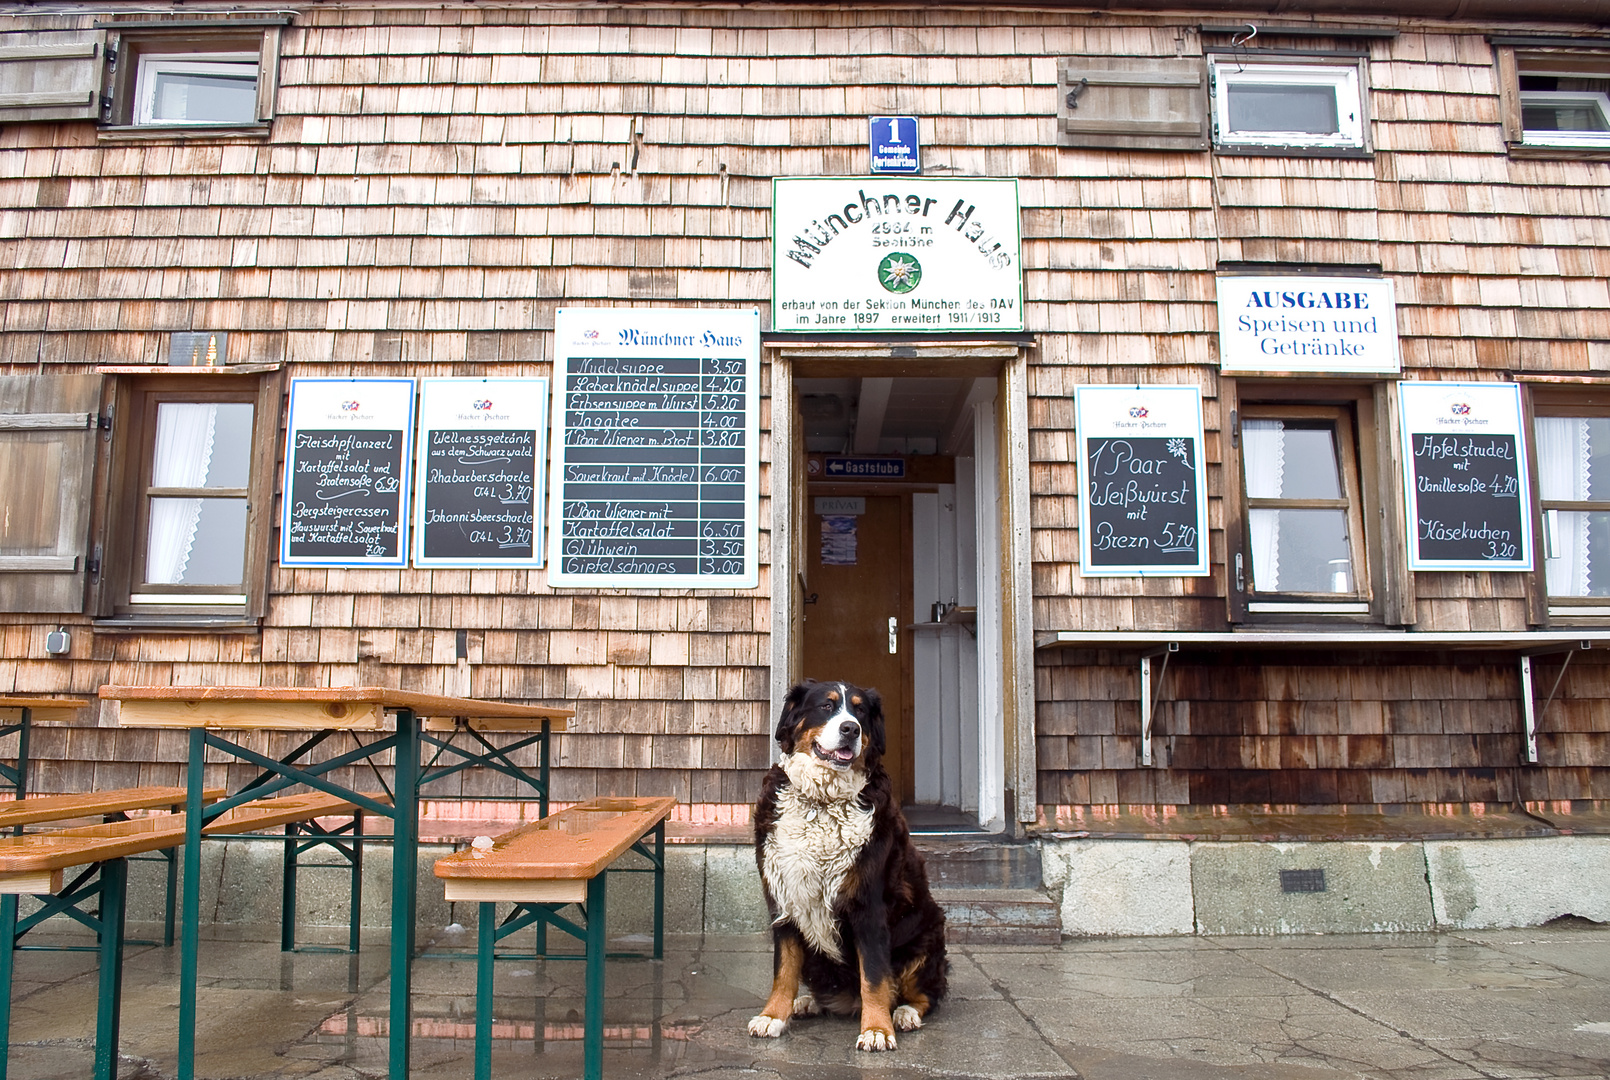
(51, 75)
(1133, 103)
(48, 429)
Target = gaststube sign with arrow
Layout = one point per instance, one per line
(895, 255)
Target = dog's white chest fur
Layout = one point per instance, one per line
(820, 831)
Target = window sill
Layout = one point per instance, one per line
(183, 132)
(178, 624)
(1559, 153)
(1273, 150)
(197, 370)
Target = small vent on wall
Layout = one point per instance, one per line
(1302, 881)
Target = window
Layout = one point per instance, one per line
(195, 474)
(207, 88)
(1304, 528)
(1573, 481)
(1554, 99)
(211, 75)
(1287, 103)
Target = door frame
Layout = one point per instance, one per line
(1007, 784)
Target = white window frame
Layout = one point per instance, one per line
(1341, 76)
(153, 65)
(1568, 137)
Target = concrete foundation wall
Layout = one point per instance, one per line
(1120, 888)
(1104, 887)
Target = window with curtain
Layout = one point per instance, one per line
(1573, 480)
(1303, 523)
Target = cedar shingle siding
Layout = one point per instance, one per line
(437, 182)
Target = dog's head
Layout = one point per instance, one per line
(839, 724)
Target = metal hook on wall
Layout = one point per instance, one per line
(1242, 40)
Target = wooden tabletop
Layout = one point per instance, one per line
(361, 708)
(574, 844)
(37, 809)
(45, 708)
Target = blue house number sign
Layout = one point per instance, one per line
(894, 145)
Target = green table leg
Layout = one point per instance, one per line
(659, 891)
(22, 756)
(593, 1020)
(404, 889)
(485, 962)
(114, 892)
(190, 932)
(8, 956)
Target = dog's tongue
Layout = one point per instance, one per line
(841, 754)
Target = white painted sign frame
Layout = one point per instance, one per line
(513, 403)
(1159, 411)
(639, 338)
(1454, 408)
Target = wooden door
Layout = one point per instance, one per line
(847, 629)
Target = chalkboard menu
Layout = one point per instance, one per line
(1143, 490)
(656, 448)
(479, 485)
(347, 452)
(1465, 473)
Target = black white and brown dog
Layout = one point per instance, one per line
(854, 926)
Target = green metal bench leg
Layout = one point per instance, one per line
(485, 962)
(109, 1009)
(172, 858)
(659, 891)
(355, 912)
(190, 934)
(8, 956)
(288, 891)
(593, 1016)
(404, 890)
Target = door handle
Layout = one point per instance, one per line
(894, 635)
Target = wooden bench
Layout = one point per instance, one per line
(34, 864)
(562, 859)
(44, 809)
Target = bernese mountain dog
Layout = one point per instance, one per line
(854, 927)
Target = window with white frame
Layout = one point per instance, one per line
(1573, 481)
(196, 88)
(1554, 99)
(1287, 104)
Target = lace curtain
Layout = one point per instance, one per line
(1263, 452)
(1564, 467)
(184, 444)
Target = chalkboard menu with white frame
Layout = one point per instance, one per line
(478, 491)
(1143, 486)
(1469, 498)
(347, 453)
(656, 459)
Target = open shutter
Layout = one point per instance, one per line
(51, 75)
(48, 426)
(1133, 103)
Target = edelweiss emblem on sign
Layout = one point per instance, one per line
(899, 273)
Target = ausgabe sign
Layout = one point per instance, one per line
(1143, 489)
(1465, 472)
(1304, 323)
(895, 254)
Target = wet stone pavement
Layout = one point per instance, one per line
(1508, 1004)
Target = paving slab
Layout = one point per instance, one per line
(1489, 1005)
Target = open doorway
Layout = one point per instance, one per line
(899, 566)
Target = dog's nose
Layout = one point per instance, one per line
(849, 729)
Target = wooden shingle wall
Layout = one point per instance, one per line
(438, 181)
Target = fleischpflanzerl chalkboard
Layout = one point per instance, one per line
(479, 486)
(656, 449)
(1465, 475)
(347, 453)
(1143, 490)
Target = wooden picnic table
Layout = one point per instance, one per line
(403, 723)
(31, 709)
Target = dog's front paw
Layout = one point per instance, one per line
(875, 1039)
(907, 1018)
(805, 1005)
(767, 1027)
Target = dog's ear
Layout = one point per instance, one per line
(874, 719)
(789, 719)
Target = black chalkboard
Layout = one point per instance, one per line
(478, 495)
(1142, 502)
(1467, 498)
(344, 495)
